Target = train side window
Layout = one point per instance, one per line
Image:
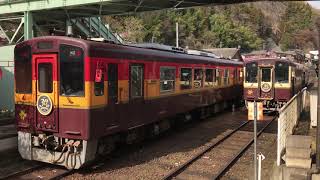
(218, 76)
(185, 78)
(214, 76)
(209, 77)
(99, 83)
(235, 76)
(198, 78)
(226, 77)
(136, 81)
(167, 79)
(45, 77)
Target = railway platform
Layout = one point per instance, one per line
(299, 159)
(8, 134)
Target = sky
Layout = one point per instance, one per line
(315, 4)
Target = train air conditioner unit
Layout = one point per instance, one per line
(159, 47)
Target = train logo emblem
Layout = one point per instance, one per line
(22, 115)
(250, 92)
(196, 84)
(44, 105)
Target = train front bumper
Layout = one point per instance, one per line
(70, 157)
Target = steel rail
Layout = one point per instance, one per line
(62, 175)
(233, 160)
(22, 172)
(38, 167)
(178, 170)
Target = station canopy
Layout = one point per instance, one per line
(62, 9)
(47, 16)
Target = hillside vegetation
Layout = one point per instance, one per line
(250, 26)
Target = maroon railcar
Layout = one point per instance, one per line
(272, 80)
(74, 98)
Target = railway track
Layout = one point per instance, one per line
(230, 144)
(41, 171)
(215, 160)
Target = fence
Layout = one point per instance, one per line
(287, 120)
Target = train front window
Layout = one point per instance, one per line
(266, 74)
(23, 70)
(71, 71)
(251, 72)
(282, 72)
(45, 77)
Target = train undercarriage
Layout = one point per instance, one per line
(270, 105)
(73, 154)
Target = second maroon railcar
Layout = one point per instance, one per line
(272, 80)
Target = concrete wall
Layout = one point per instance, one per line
(7, 81)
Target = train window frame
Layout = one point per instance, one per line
(248, 76)
(166, 81)
(269, 73)
(226, 75)
(141, 69)
(23, 74)
(184, 86)
(210, 82)
(235, 75)
(82, 61)
(286, 74)
(99, 86)
(45, 80)
(198, 83)
(240, 70)
(219, 76)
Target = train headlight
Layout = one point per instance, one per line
(265, 87)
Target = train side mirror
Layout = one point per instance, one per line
(98, 75)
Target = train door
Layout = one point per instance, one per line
(46, 71)
(265, 82)
(112, 84)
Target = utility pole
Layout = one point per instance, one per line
(318, 106)
(318, 121)
(255, 140)
(177, 34)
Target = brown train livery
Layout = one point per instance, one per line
(75, 98)
(272, 81)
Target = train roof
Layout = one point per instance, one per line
(272, 61)
(112, 50)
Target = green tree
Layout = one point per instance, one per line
(230, 34)
(297, 17)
